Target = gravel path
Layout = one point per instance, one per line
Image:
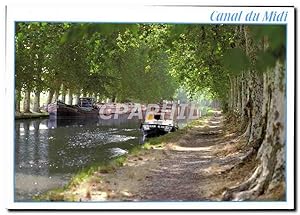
(194, 168)
(183, 174)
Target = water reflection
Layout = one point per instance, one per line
(48, 151)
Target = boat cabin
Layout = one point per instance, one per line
(85, 102)
(156, 124)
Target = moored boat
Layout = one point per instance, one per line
(84, 108)
(156, 125)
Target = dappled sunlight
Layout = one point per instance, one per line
(213, 126)
(134, 163)
(204, 149)
(199, 141)
(230, 135)
(209, 132)
(230, 147)
(214, 122)
(215, 169)
(136, 81)
(200, 126)
(173, 170)
(126, 193)
(197, 162)
(207, 126)
(98, 196)
(157, 170)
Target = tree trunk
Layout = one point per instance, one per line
(18, 101)
(271, 152)
(114, 98)
(63, 93)
(36, 102)
(239, 97)
(70, 97)
(50, 96)
(266, 131)
(26, 104)
(269, 174)
(56, 96)
(257, 99)
(77, 97)
(231, 94)
(245, 96)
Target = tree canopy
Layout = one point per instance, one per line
(138, 62)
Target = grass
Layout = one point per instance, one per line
(101, 168)
(210, 112)
(173, 136)
(89, 173)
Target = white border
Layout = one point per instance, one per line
(106, 13)
(133, 14)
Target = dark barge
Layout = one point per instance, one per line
(84, 108)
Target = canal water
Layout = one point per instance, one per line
(48, 152)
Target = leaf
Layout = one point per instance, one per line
(235, 60)
(265, 60)
(78, 31)
(275, 35)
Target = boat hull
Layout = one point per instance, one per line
(156, 130)
(61, 110)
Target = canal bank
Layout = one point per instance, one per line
(32, 115)
(195, 163)
(76, 189)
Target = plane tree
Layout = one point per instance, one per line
(244, 67)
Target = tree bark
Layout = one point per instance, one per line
(70, 97)
(239, 97)
(231, 94)
(269, 174)
(36, 102)
(257, 99)
(63, 93)
(271, 152)
(244, 95)
(114, 98)
(26, 104)
(266, 131)
(18, 101)
(77, 97)
(50, 96)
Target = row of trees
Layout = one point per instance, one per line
(244, 67)
(241, 66)
(127, 62)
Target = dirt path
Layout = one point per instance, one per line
(193, 168)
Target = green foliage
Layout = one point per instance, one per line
(265, 60)
(274, 34)
(34, 48)
(197, 59)
(78, 31)
(109, 60)
(236, 61)
(140, 62)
